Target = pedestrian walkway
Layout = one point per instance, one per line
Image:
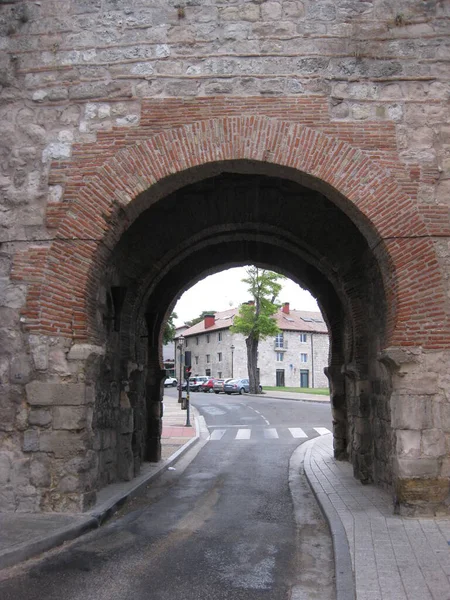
(24, 535)
(269, 433)
(392, 557)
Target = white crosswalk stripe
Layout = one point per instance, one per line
(270, 434)
(322, 430)
(297, 432)
(243, 434)
(217, 434)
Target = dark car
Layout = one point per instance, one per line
(208, 386)
(236, 386)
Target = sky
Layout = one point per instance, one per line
(225, 290)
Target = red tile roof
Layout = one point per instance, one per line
(296, 320)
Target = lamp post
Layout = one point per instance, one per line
(180, 346)
(232, 354)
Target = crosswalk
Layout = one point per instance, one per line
(267, 433)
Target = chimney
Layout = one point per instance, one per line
(209, 320)
(285, 308)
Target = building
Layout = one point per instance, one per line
(297, 356)
(169, 351)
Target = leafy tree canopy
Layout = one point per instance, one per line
(256, 320)
(169, 331)
(193, 322)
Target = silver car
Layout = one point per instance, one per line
(236, 386)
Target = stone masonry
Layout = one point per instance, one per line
(148, 143)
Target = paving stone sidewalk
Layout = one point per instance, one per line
(24, 535)
(393, 557)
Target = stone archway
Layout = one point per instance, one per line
(103, 201)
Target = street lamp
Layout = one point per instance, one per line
(232, 353)
(180, 346)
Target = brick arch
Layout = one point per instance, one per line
(101, 205)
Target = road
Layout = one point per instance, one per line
(220, 527)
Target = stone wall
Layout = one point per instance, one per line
(111, 106)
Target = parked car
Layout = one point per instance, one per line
(208, 386)
(218, 385)
(170, 382)
(196, 382)
(236, 386)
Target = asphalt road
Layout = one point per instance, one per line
(221, 527)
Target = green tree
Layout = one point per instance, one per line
(193, 322)
(256, 320)
(170, 329)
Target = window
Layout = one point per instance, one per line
(208, 372)
(219, 375)
(303, 338)
(303, 358)
(207, 338)
(219, 356)
(220, 336)
(279, 341)
(187, 342)
(196, 360)
(208, 358)
(280, 356)
(196, 340)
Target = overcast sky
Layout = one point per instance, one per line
(225, 290)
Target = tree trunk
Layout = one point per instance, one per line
(252, 363)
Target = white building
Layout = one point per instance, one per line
(296, 357)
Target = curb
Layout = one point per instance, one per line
(267, 395)
(27, 550)
(345, 584)
(94, 518)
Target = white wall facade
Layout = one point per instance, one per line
(212, 355)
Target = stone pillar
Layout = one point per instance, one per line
(153, 391)
(339, 411)
(420, 410)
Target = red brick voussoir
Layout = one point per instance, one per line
(109, 175)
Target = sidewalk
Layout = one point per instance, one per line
(24, 535)
(391, 557)
(293, 396)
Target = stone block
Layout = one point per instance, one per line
(411, 412)
(40, 472)
(20, 369)
(70, 483)
(39, 416)
(433, 443)
(62, 443)
(126, 421)
(271, 11)
(421, 467)
(48, 394)
(7, 499)
(5, 467)
(69, 417)
(430, 490)
(39, 351)
(84, 351)
(30, 440)
(408, 443)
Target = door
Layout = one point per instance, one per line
(304, 378)
(280, 378)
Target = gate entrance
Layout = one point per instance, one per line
(166, 212)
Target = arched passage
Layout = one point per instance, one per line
(144, 224)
